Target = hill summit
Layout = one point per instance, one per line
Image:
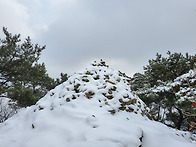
(107, 88)
(94, 107)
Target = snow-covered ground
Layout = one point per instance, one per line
(94, 108)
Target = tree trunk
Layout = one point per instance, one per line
(181, 118)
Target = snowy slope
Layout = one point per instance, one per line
(94, 108)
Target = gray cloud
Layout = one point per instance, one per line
(125, 33)
(15, 17)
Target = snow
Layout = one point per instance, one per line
(188, 91)
(186, 83)
(7, 108)
(95, 107)
(190, 74)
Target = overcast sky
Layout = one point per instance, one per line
(125, 33)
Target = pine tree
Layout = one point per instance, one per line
(162, 94)
(164, 69)
(22, 78)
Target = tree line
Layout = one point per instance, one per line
(22, 77)
(167, 86)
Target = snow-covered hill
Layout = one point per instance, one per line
(94, 108)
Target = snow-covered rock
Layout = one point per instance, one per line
(94, 108)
